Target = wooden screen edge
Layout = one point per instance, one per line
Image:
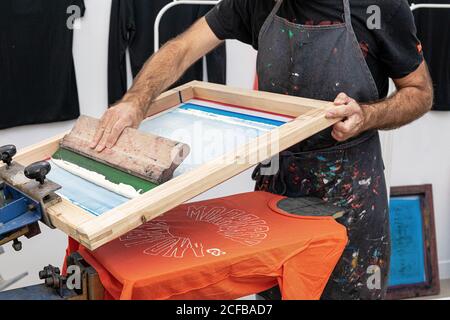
(171, 98)
(39, 151)
(65, 216)
(260, 100)
(154, 203)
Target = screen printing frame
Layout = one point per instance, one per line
(94, 231)
(431, 285)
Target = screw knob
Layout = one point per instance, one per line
(7, 153)
(38, 171)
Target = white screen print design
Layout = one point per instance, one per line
(236, 225)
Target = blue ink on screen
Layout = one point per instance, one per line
(407, 256)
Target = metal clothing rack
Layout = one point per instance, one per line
(170, 5)
(429, 6)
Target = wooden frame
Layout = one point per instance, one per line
(92, 231)
(431, 286)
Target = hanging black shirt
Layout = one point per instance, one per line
(390, 51)
(132, 27)
(37, 74)
(433, 27)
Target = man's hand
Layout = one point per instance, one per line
(114, 121)
(353, 118)
(414, 98)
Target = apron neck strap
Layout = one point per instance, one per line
(347, 13)
(276, 7)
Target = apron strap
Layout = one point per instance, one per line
(347, 14)
(270, 18)
(276, 8)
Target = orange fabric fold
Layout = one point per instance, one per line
(223, 248)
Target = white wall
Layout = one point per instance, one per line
(421, 152)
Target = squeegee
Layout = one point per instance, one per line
(137, 163)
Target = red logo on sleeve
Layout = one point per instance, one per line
(419, 47)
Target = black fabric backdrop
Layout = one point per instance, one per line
(132, 26)
(37, 74)
(433, 29)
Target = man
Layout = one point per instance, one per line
(321, 49)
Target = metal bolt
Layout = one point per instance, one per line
(17, 245)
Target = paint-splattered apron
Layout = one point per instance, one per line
(320, 62)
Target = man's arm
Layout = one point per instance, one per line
(162, 70)
(414, 98)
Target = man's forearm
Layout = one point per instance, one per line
(166, 66)
(409, 103)
(158, 73)
(403, 107)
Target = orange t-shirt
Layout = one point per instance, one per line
(223, 248)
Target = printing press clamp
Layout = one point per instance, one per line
(82, 282)
(25, 194)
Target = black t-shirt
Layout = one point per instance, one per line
(391, 51)
(433, 27)
(37, 74)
